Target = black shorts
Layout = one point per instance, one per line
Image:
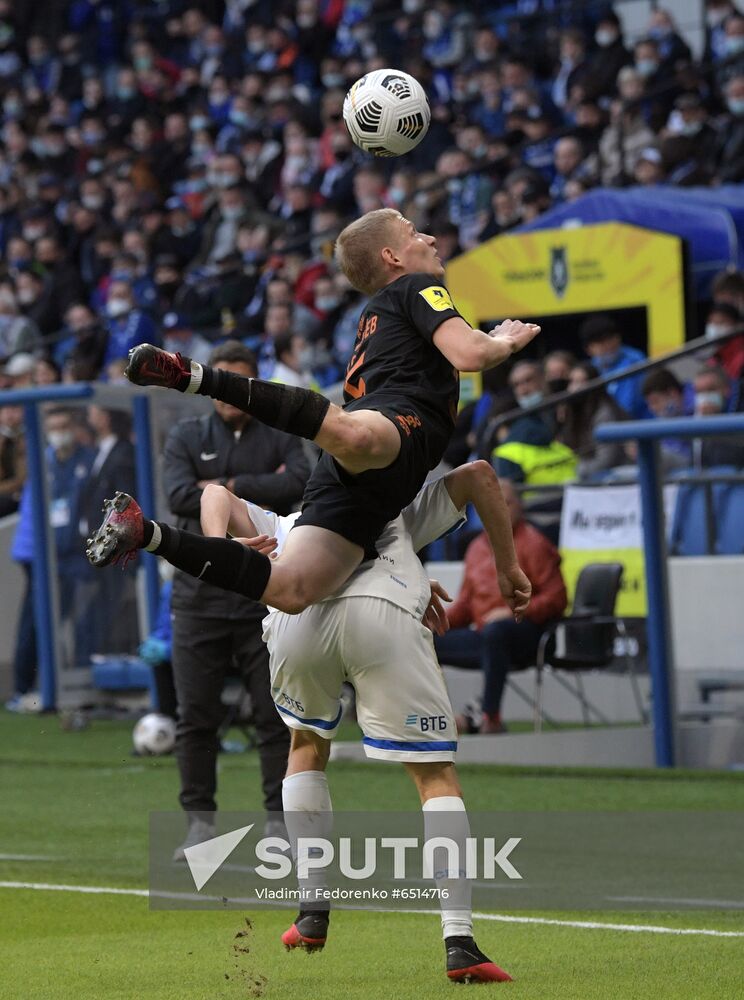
(358, 507)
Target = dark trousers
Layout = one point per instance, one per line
(498, 648)
(204, 651)
(24, 657)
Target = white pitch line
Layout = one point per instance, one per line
(499, 917)
(28, 857)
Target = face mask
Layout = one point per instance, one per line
(201, 149)
(32, 233)
(12, 109)
(91, 138)
(55, 149)
(735, 105)
(690, 128)
(412, 6)
(125, 93)
(167, 287)
(7, 300)
(219, 179)
(330, 80)
(646, 67)
(213, 50)
(117, 307)
(38, 58)
(713, 330)
(397, 195)
(306, 20)
(709, 399)
(240, 118)
(232, 212)
(531, 399)
(433, 26)
(218, 100)
(93, 202)
(672, 410)
(197, 122)
(605, 38)
(733, 45)
(663, 32)
(26, 296)
(143, 63)
(606, 360)
(305, 359)
(326, 303)
(60, 440)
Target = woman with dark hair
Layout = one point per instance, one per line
(581, 419)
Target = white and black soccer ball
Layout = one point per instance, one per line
(387, 112)
(154, 734)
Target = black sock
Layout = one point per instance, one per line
(220, 561)
(286, 407)
(148, 527)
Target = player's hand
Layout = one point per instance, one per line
(516, 590)
(265, 544)
(516, 334)
(435, 616)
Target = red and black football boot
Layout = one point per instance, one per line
(149, 365)
(121, 533)
(309, 931)
(466, 963)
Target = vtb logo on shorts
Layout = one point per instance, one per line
(427, 723)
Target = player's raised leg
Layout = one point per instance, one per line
(445, 816)
(359, 441)
(314, 562)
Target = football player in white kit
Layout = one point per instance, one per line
(371, 634)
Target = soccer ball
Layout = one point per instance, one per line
(154, 734)
(387, 113)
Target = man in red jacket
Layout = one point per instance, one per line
(483, 633)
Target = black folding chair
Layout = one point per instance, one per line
(585, 640)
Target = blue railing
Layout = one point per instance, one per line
(647, 434)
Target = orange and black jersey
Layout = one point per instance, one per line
(394, 357)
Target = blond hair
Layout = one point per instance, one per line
(358, 249)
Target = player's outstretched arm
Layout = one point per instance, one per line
(472, 350)
(477, 483)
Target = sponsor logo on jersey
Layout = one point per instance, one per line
(437, 297)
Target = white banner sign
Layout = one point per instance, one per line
(606, 517)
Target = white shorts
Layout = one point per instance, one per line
(387, 655)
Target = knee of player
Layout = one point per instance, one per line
(211, 491)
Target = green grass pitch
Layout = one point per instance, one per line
(75, 809)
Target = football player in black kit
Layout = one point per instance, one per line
(401, 395)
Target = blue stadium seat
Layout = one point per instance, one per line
(689, 534)
(729, 507)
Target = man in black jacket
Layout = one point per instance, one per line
(112, 631)
(213, 629)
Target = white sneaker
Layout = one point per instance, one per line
(199, 831)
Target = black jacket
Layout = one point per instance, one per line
(116, 473)
(205, 448)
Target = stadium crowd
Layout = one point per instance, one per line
(177, 172)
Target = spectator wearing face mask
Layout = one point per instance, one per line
(715, 394)
(68, 466)
(293, 361)
(529, 452)
(84, 347)
(610, 57)
(717, 12)
(672, 48)
(603, 343)
(127, 325)
(722, 318)
(667, 398)
(730, 153)
(17, 332)
(180, 338)
(36, 302)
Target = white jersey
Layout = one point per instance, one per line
(396, 575)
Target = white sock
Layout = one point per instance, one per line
(308, 812)
(454, 824)
(197, 373)
(157, 537)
